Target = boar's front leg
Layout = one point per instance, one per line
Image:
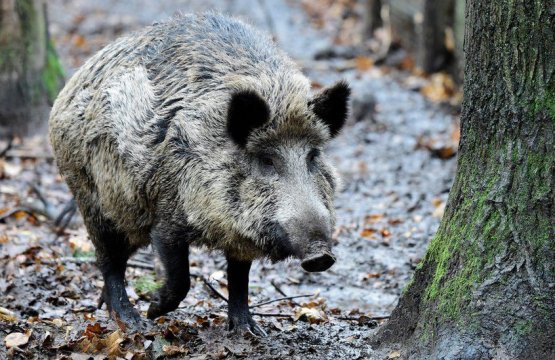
(240, 319)
(112, 252)
(173, 251)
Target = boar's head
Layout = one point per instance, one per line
(284, 187)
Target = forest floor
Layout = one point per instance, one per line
(396, 158)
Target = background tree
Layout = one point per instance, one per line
(486, 287)
(30, 73)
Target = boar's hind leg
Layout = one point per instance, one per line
(112, 252)
(174, 254)
(240, 319)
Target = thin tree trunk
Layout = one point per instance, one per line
(372, 17)
(431, 33)
(30, 74)
(420, 27)
(486, 287)
(458, 32)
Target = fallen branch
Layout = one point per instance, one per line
(207, 283)
(351, 318)
(7, 148)
(88, 260)
(140, 264)
(278, 289)
(273, 314)
(280, 299)
(64, 217)
(346, 318)
(221, 296)
(40, 196)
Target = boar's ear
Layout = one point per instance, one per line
(247, 111)
(331, 106)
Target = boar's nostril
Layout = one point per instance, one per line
(318, 262)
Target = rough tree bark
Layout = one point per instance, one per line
(486, 286)
(30, 73)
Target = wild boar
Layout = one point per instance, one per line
(198, 131)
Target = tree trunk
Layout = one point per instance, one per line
(458, 33)
(486, 287)
(372, 17)
(421, 27)
(30, 73)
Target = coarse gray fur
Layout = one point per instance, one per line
(164, 136)
(139, 134)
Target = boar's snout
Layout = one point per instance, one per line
(318, 261)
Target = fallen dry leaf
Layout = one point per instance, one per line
(112, 344)
(172, 350)
(363, 63)
(440, 88)
(372, 218)
(385, 232)
(80, 41)
(394, 221)
(394, 355)
(368, 232)
(7, 315)
(311, 315)
(436, 202)
(93, 330)
(407, 63)
(443, 149)
(17, 339)
(439, 210)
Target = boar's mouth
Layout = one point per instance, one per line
(279, 246)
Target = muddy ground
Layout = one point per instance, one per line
(395, 158)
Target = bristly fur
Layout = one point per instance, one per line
(141, 135)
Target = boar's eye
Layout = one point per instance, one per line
(267, 163)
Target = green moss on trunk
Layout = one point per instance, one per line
(31, 72)
(53, 73)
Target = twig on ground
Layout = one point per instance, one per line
(207, 283)
(352, 318)
(280, 299)
(278, 289)
(64, 218)
(337, 318)
(140, 264)
(221, 296)
(32, 208)
(90, 260)
(40, 195)
(273, 314)
(7, 148)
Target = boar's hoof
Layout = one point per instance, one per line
(318, 262)
(155, 310)
(159, 308)
(246, 328)
(128, 320)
